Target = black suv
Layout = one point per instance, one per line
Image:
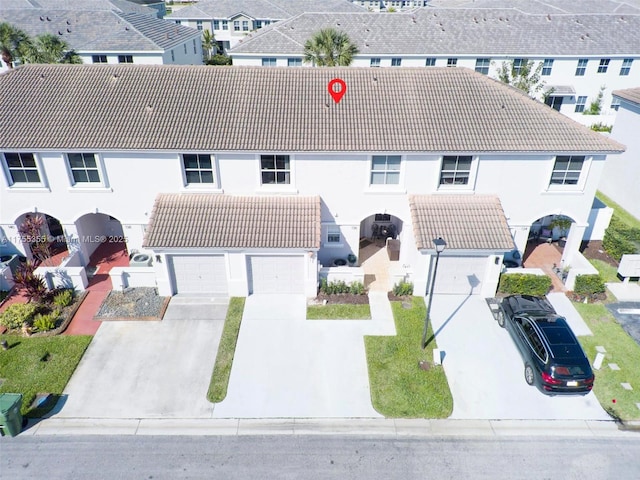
(553, 359)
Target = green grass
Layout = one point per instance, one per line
(609, 273)
(620, 212)
(336, 311)
(224, 360)
(399, 388)
(39, 365)
(621, 349)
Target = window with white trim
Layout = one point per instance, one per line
(125, 58)
(294, 62)
(430, 62)
(236, 25)
(582, 67)
(258, 24)
(375, 62)
(84, 168)
(333, 234)
(519, 64)
(269, 62)
(216, 24)
(99, 58)
(21, 167)
(580, 103)
(482, 65)
(396, 62)
(547, 66)
(385, 169)
(452, 62)
(604, 65)
(456, 170)
(566, 170)
(275, 170)
(626, 67)
(198, 168)
(199, 25)
(615, 104)
(245, 25)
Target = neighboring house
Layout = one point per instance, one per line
(580, 53)
(245, 180)
(621, 177)
(390, 5)
(112, 36)
(231, 20)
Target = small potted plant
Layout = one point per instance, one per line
(351, 258)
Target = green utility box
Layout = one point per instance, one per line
(10, 416)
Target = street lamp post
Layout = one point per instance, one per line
(440, 246)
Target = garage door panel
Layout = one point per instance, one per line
(460, 275)
(276, 274)
(200, 274)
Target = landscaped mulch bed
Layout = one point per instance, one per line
(141, 303)
(65, 316)
(341, 299)
(593, 250)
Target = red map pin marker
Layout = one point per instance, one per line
(337, 88)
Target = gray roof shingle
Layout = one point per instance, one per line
(200, 108)
(465, 222)
(477, 32)
(224, 221)
(93, 5)
(630, 95)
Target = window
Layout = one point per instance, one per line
(566, 170)
(195, 49)
(173, 56)
(22, 167)
(615, 104)
(267, 22)
(275, 169)
(99, 58)
(482, 65)
(554, 102)
(604, 65)
(294, 62)
(236, 25)
(268, 62)
(258, 24)
(547, 65)
(185, 48)
(626, 67)
(580, 104)
(84, 168)
(519, 64)
(199, 24)
(375, 62)
(396, 62)
(225, 25)
(430, 62)
(216, 24)
(333, 234)
(385, 170)
(534, 340)
(455, 170)
(198, 168)
(178, 22)
(125, 58)
(582, 67)
(245, 25)
(452, 62)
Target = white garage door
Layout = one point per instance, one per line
(460, 275)
(200, 274)
(276, 274)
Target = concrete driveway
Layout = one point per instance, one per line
(149, 369)
(485, 370)
(287, 366)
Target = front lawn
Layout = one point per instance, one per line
(227, 349)
(337, 311)
(622, 350)
(399, 387)
(620, 212)
(34, 365)
(609, 273)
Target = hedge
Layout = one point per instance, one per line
(524, 283)
(620, 239)
(589, 285)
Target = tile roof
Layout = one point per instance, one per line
(465, 222)
(172, 108)
(477, 32)
(261, 9)
(202, 220)
(102, 31)
(630, 95)
(546, 6)
(116, 5)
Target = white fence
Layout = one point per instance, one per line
(127, 277)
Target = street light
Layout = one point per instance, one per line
(440, 246)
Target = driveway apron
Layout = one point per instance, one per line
(485, 370)
(149, 369)
(287, 366)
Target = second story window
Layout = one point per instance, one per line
(604, 65)
(566, 170)
(375, 62)
(482, 65)
(236, 25)
(580, 103)
(225, 25)
(430, 62)
(615, 104)
(245, 25)
(582, 67)
(519, 64)
(125, 58)
(275, 170)
(199, 25)
(294, 62)
(333, 234)
(456, 170)
(452, 62)
(198, 168)
(258, 24)
(216, 24)
(396, 62)
(99, 58)
(547, 66)
(84, 168)
(626, 67)
(269, 62)
(21, 167)
(385, 170)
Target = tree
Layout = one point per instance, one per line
(32, 229)
(209, 45)
(329, 48)
(595, 107)
(524, 76)
(47, 48)
(11, 39)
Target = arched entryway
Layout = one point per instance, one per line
(42, 238)
(380, 245)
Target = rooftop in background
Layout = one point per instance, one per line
(630, 95)
(123, 6)
(471, 31)
(131, 107)
(547, 6)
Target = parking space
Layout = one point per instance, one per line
(485, 370)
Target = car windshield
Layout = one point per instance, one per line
(559, 336)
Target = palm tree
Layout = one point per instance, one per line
(209, 44)
(329, 48)
(48, 48)
(11, 40)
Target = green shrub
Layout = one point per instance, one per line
(46, 322)
(63, 298)
(334, 288)
(17, 314)
(620, 239)
(589, 285)
(219, 59)
(357, 288)
(524, 283)
(403, 288)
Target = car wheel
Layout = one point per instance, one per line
(500, 318)
(528, 374)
